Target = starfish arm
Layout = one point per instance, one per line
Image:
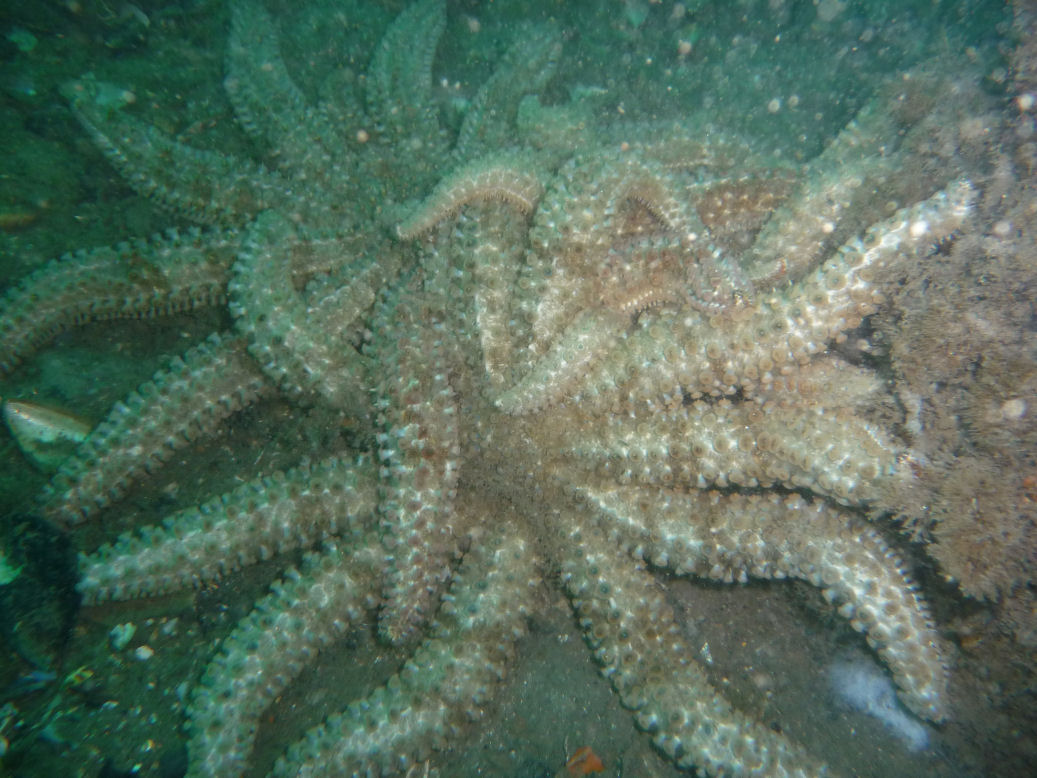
(497, 257)
(305, 612)
(804, 229)
(746, 347)
(742, 444)
(676, 145)
(482, 260)
(631, 629)
(510, 178)
(182, 402)
(597, 203)
(561, 371)
(206, 186)
(444, 685)
(526, 67)
(419, 453)
(830, 382)
(307, 142)
(598, 197)
(399, 85)
(730, 537)
(143, 278)
(733, 208)
(255, 521)
(301, 348)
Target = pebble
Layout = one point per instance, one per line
(121, 635)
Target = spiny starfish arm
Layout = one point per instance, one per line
(206, 186)
(745, 347)
(559, 373)
(445, 685)
(676, 146)
(734, 208)
(805, 228)
(482, 261)
(511, 178)
(144, 278)
(305, 612)
(596, 204)
(183, 402)
(525, 68)
(497, 257)
(743, 445)
(598, 198)
(399, 83)
(255, 521)
(302, 348)
(307, 142)
(632, 631)
(830, 382)
(419, 458)
(730, 537)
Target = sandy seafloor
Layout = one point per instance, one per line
(770, 643)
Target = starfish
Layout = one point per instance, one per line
(571, 363)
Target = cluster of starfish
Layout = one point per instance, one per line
(573, 359)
